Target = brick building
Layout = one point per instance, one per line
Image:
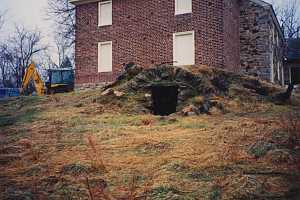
(186, 32)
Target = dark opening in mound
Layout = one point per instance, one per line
(164, 99)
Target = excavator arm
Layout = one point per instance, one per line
(32, 73)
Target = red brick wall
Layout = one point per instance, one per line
(142, 32)
(232, 35)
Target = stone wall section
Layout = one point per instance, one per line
(260, 42)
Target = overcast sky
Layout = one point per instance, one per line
(32, 14)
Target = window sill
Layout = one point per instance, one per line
(102, 72)
(184, 65)
(182, 13)
(105, 25)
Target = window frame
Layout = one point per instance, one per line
(180, 12)
(194, 47)
(99, 13)
(111, 52)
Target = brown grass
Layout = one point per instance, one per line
(290, 123)
(215, 145)
(95, 154)
(102, 192)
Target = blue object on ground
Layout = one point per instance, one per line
(9, 92)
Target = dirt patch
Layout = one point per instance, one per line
(75, 170)
(150, 148)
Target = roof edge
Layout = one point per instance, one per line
(80, 2)
(261, 2)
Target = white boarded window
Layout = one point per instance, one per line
(184, 48)
(105, 56)
(183, 6)
(105, 13)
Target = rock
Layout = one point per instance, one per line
(147, 95)
(221, 84)
(108, 91)
(205, 107)
(111, 91)
(191, 114)
(199, 100)
(190, 111)
(217, 107)
(118, 93)
(172, 119)
(130, 70)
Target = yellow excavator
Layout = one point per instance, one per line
(59, 80)
(31, 73)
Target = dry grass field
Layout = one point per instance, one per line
(84, 146)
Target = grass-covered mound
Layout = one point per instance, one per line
(200, 88)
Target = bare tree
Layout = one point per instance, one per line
(289, 15)
(63, 14)
(4, 69)
(27, 44)
(18, 51)
(1, 20)
(62, 47)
